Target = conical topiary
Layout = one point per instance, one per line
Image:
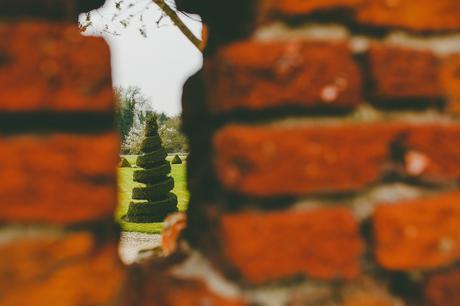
(176, 160)
(124, 163)
(154, 201)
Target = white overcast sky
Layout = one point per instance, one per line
(158, 64)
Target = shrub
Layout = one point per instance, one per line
(124, 163)
(154, 201)
(176, 160)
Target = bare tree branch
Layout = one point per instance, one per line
(179, 23)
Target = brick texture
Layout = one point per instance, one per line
(305, 244)
(154, 284)
(52, 67)
(417, 15)
(300, 7)
(450, 81)
(251, 160)
(443, 288)
(59, 269)
(304, 74)
(59, 178)
(403, 74)
(418, 234)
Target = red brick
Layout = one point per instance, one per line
(418, 15)
(321, 243)
(443, 289)
(261, 75)
(254, 160)
(70, 269)
(154, 284)
(418, 234)
(51, 66)
(58, 178)
(439, 144)
(398, 73)
(450, 80)
(268, 161)
(302, 7)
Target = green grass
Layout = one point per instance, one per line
(125, 187)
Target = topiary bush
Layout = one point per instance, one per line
(176, 160)
(154, 201)
(124, 163)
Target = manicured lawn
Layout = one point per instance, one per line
(126, 184)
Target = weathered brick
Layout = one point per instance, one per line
(403, 74)
(332, 157)
(302, 7)
(450, 81)
(51, 66)
(439, 145)
(418, 15)
(154, 284)
(443, 289)
(418, 234)
(256, 75)
(321, 243)
(58, 178)
(56, 270)
(312, 158)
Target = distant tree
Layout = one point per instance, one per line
(131, 104)
(173, 139)
(133, 111)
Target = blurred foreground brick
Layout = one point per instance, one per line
(154, 284)
(320, 250)
(59, 268)
(51, 66)
(418, 234)
(303, 74)
(331, 157)
(58, 178)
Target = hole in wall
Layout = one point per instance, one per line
(151, 60)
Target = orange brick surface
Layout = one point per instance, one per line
(398, 73)
(316, 158)
(302, 7)
(418, 15)
(154, 284)
(268, 161)
(439, 144)
(450, 81)
(443, 288)
(322, 243)
(51, 66)
(58, 178)
(69, 269)
(262, 75)
(418, 234)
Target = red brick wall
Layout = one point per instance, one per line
(58, 153)
(324, 165)
(325, 151)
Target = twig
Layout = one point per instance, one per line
(179, 23)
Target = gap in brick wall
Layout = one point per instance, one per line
(148, 53)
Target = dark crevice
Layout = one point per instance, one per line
(54, 122)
